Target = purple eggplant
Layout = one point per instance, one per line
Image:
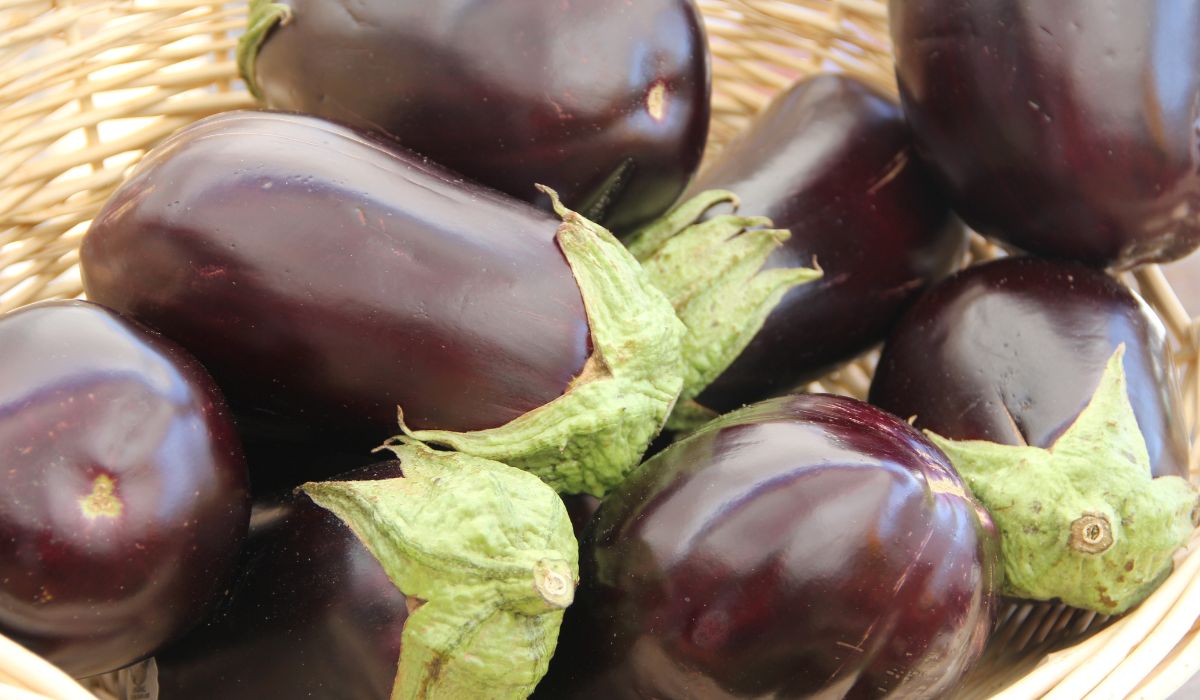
(831, 162)
(605, 101)
(1047, 385)
(806, 546)
(1066, 128)
(1011, 351)
(332, 604)
(124, 499)
(327, 279)
(311, 614)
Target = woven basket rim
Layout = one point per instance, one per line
(73, 71)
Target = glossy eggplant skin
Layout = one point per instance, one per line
(1067, 128)
(311, 614)
(123, 500)
(325, 278)
(606, 101)
(806, 546)
(1011, 351)
(831, 161)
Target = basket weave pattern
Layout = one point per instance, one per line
(87, 86)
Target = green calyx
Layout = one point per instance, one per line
(1083, 520)
(264, 15)
(712, 271)
(588, 439)
(485, 554)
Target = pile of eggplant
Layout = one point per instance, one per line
(447, 376)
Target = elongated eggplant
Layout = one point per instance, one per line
(1012, 350)
(124, 498)
(606, 101)
(831, 162)
(318, 611)
(326, 279)
(1047, 385)
(807, 546)
(1067, 128)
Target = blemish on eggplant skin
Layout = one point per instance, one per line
(656, 101)
(102, 502)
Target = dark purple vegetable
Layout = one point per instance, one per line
(444, 574)
(805, 546)
(1046, 385)
(277, 466)
(1065, 128)
(831, 161)
(325, 280)
(311, 614)
(1012, 350)
(123, 501)
(328, 282)
(606, 101)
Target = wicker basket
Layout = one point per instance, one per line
(86, 86)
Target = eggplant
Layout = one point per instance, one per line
(605, 101)
(311, 614)
(327, 279)
(1015, 349)
(805, 546)
(831, 162)
(124, 499)
(1066, 129)
(316, 611)
(1047, 385)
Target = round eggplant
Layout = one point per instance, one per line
(831, 161)
(326, 279)
(1067, 129)
(124, 499)
(605, 101)
(1047, 386)
(805, 546)
(1012, 350)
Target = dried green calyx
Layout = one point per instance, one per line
(488, 560)
(1083, 520)
(588, 439)
(712, 271)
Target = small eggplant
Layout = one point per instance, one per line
(606, 101)
(311, 614)
(831, 162)
(326, 278)
(1065, 128)
(1011, 351)
(806, 546)
(483, 552)
(124, 499)
(1018, 366)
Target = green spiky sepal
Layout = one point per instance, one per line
(264, 16)
(1083, 520)
(588, 439)
(487, 557)
(712, 271)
